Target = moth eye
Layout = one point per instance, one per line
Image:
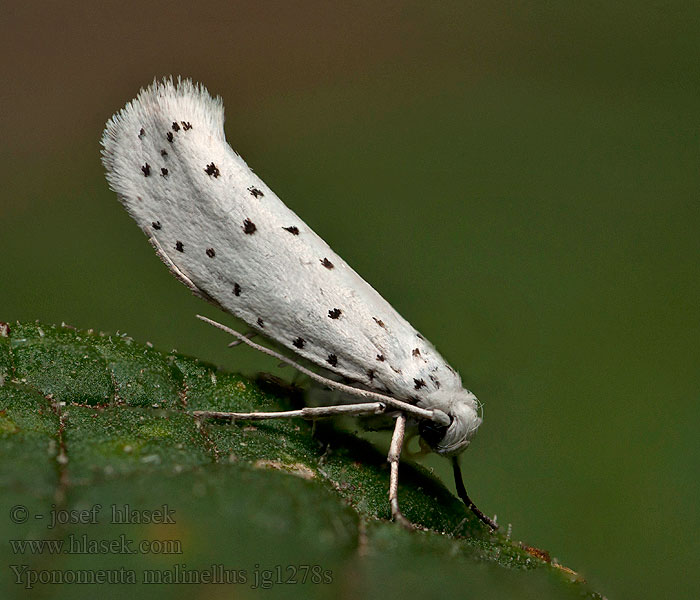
(433, 432)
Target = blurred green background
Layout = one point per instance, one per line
(520, 180)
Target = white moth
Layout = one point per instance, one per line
(232, 241)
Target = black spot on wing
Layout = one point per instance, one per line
(435, 381)
(146, 170)
(293, 230)
(176, 126)
(236, 289)
(212, 170)
(380, 358)
(415, 352)
(170, 136)
(327, 263)
(179, 246)
(249, 227)
(156, 225)
(261, 323)
(332, 360)
(211, 253)
(163, 172)
(163, 152)
(334, 313)
(299, 342)
(186, 125)
(255, 192)
(379, 322)
(418, 384)
(142, 132)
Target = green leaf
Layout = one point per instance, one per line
(94, 426)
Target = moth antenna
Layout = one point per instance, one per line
(249, 335)
(415, 411)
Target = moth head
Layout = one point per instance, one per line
(451, 439)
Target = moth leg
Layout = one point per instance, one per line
(462, 493)
(393, 459)
(310, 412)
(434, 415)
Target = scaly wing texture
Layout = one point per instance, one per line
(225, 234)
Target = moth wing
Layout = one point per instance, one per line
(229, 238)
